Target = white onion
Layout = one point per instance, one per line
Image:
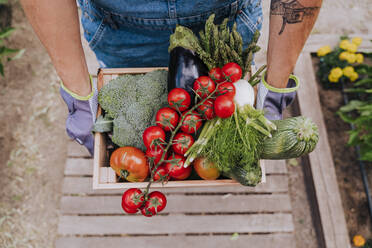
(244, 93)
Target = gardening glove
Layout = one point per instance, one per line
(81, 115)
(274, 100)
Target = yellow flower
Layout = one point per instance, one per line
(359, 58)
(343, 56)
(351, 58)
(323, 51)
(357, 40)
(336, 72)
(332, 79)
(348, 71)
(344, 44)
(354, 76)
(351, 47)
(359, 241)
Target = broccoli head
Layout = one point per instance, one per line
(132, 101)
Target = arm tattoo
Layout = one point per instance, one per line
(291, 11)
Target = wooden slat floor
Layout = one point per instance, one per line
(194, 217)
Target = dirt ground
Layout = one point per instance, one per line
(33, 140)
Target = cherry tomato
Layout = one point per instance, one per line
(131, 200)
(204, 86)
(206, 109)
(178, 98)
(153, 137)
(177, 171)
(206, 169)
(167, 118)
(155, 154)
(226, 89)
(161, 172)
(182, 142)
(155, 204)
(232, 72)
(224, 106)
(191, 123)
(216, 75)
(129, 210)
(130, 163)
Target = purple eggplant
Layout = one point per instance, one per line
(184, 68)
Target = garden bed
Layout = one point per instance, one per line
(348, 174)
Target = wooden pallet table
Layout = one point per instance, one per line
(198, 217)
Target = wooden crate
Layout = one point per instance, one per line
(104, 177)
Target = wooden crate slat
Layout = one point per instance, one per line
(76, 150)
(84, 166)
(182, 204)
(174, 224)
(83, 185)
(321, 162)
(257, 241)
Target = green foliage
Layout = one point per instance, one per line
(217, 44)
(6, 53)
(132, 101)
(235, 146)
(368, 244)
(358, 112)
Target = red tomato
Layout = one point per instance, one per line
(155, 204)
(130, 163)
(155, 154)
(167, 118)
(224, 106)
(177, 171)
(232, 72)
(191, 123)
(153, 137)
(182, 142)
(131, 200)
(204, 86)
(216, 75)
(226, 89)
(161, 172)
(206, 169)
(129, 210)
(179, 99)
(206, 109)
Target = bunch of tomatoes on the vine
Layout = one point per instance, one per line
(173, 135)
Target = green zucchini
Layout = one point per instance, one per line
(293, 138)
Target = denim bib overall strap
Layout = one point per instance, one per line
(135, 33)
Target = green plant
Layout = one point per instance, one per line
(338, 65)
(358, 112)
(6, 53)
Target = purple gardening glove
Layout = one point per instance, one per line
(274, 100)
(81, 115)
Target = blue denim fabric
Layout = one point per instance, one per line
(135, 33)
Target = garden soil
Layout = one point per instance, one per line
(33, 141)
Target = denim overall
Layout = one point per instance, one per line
(135, 33)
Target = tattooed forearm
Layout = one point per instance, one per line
(291, 11)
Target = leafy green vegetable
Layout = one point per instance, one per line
(103, 124)
(132, 101)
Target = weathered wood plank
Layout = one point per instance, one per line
(257, 241)
(321, 163)
(83, 185)
(76, 150)
(84, 166)
(182, 204)
(174, 224)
